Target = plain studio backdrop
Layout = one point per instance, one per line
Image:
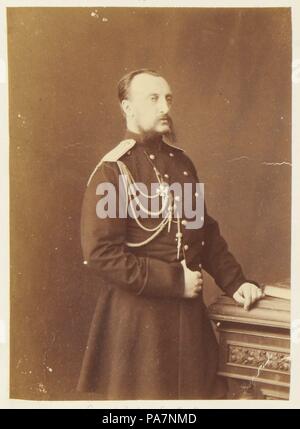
(229, 70)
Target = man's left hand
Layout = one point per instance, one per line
(247, 294)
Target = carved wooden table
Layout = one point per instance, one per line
(254, 346)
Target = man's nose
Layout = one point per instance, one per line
(164, 107)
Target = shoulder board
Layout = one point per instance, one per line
(114, 155)
(167, 142)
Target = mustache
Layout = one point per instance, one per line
(164, 117)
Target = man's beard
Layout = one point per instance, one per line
(168, 133)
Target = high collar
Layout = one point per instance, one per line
(150, 142)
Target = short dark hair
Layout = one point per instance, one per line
(125, 81)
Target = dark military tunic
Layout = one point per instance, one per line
(146, 341)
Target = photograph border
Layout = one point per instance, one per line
(294, 401)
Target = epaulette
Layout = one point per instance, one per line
(167, 142)
(114, 155)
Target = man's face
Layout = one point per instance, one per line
(149, 103)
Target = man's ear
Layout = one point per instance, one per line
(126, 107)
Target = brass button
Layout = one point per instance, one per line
(185, 173)
(200, 266)
(85, 262)
(203, 242)
(166, 176)
(171, 154)
(184, 222)
(196, 194)
(151, 156)
(186, 247)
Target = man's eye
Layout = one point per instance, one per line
(153, 98)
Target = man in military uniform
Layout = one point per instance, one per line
(150, 336)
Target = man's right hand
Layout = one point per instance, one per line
(192, 282)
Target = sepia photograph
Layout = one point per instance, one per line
(150, 197)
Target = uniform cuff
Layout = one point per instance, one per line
(230, 290)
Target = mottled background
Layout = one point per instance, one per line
(230, 73)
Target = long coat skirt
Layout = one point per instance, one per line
(146, 340)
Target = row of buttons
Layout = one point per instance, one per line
(152, 157)
(186, 246)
